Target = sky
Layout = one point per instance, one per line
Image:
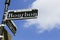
(45, 27)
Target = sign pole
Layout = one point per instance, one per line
(7, 3)
(4, 34)
(1, 31)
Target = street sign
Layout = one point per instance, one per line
(10, 15)
(22, 14)
(11, 26)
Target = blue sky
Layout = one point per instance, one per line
(36, 30)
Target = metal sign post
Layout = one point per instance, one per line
(10, 15)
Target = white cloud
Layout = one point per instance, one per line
(49, 14)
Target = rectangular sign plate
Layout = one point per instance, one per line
(11, 26)
(16, 14)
